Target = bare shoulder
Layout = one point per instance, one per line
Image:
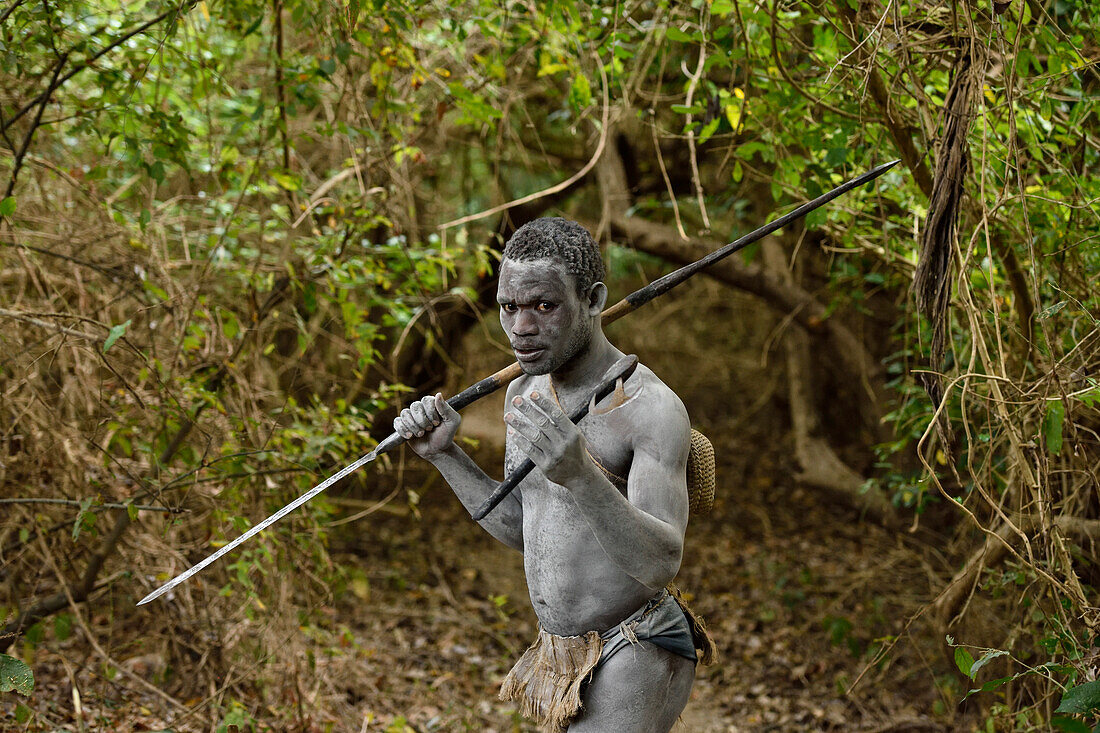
(657, 412)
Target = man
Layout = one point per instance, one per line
(601, 519)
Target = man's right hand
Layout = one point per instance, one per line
(429, 425)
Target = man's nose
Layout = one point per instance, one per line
(525, 324)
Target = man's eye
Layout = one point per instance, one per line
(546, 306)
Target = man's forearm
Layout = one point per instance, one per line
(644, 547)
(472, 486)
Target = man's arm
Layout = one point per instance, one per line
(429, 426)
(642, 532)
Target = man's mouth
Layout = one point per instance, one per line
(528, 353)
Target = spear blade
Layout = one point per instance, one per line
(198, 567)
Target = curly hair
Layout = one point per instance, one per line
(559, 239)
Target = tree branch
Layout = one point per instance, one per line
(948, 606)
(900, 130)
(56, 602)
(604, 126)
(821, 467)
(80, 591)
(903, 134)
(59, 82)
(666, 242)
(10, 9)
(22, 152)
(74, 502)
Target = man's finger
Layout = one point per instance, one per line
(420, 417)
(431, 409)
(550, 408)
(445, 410)
(536, 415)
(524, 426)
(401, 427)
(529, 449)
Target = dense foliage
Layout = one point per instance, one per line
(236, 233)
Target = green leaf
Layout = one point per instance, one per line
(1052, 426)
(991, 685)
(551, 69)
(963, 660)
(673, 33)
(746, 151)
(708, 130)
(986, 659)
(35, 634)
(230, 325)
(115, 334)
(580, 93)
(15, 675)
(7, 206)
(62, 626)
(836, 156)
(1051, 310)
(1084, 698)
(685, 110)
(1070, 725)
(287, 181)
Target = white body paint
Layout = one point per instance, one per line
(593, 554)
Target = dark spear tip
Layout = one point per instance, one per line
(875, 172)
(662, 285)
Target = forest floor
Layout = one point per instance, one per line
(800, 595)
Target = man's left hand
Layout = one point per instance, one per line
(547, 436)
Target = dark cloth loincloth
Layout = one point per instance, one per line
(661, 622)
(548, 680)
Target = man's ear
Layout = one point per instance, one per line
(597, 298)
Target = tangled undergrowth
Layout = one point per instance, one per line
(234, 236)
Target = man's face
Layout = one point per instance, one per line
(545, 320)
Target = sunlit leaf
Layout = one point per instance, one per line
(115, 334)
(15, 675)
(580, 92)
(733, 115)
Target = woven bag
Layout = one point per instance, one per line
(700, 474)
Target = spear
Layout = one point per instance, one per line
(493, 382)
